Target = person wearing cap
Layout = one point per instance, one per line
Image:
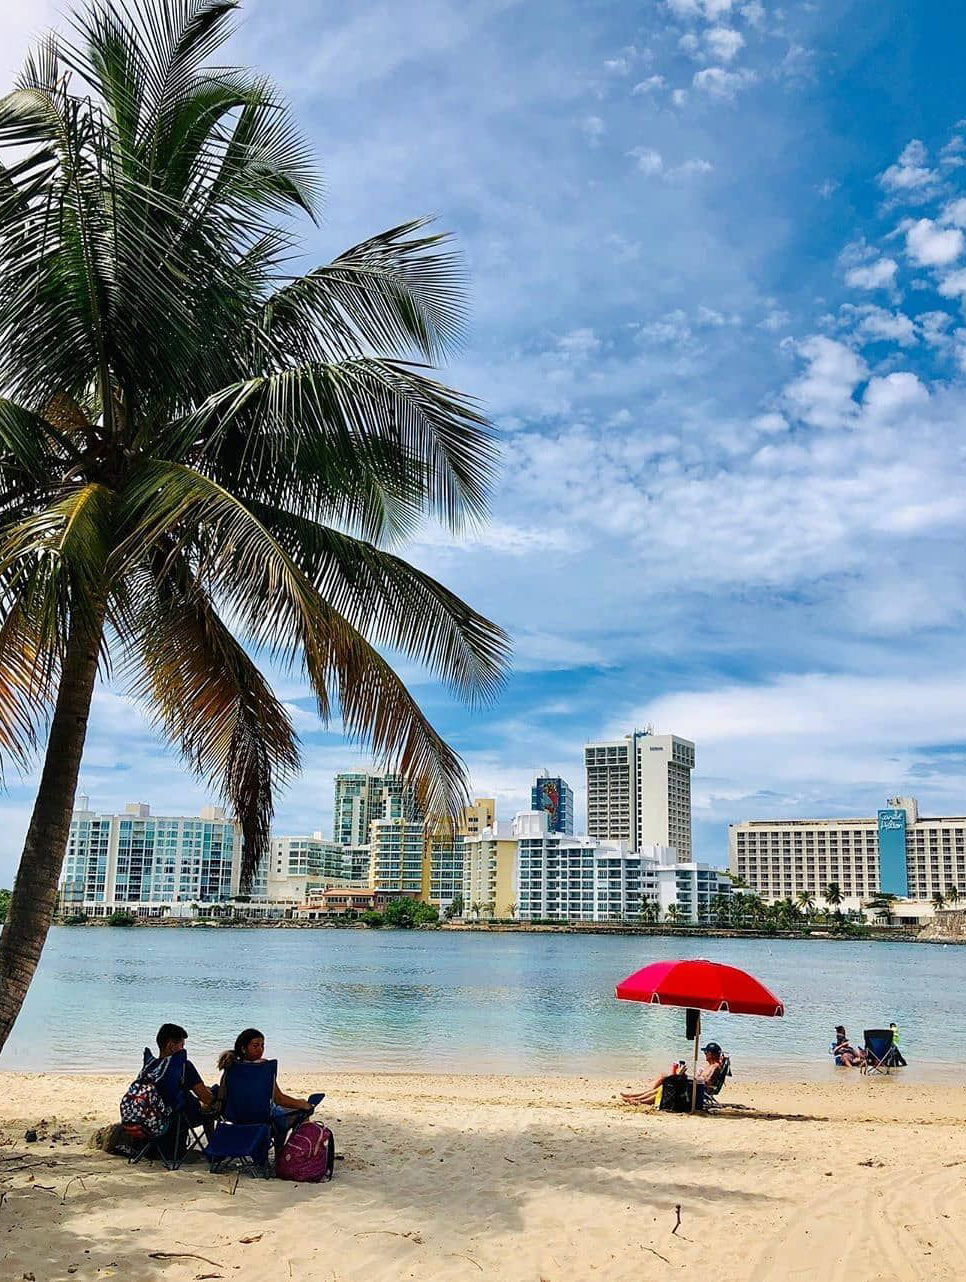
(713, 1055)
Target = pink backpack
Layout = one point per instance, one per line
(308, 1155)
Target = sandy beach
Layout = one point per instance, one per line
(529, 1179)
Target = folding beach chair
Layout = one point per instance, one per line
(244, 1135)
(183, 1130)
(881, 1053)
(713, 1086)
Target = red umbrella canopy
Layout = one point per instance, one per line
(701, 985)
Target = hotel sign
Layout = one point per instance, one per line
(893, 874)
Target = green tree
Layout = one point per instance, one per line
(4, 904)
(475, 909)
(673, 914)
(832, 894)
(408, 913)
(120, 918)
(953, 895)
(371, 918)
(806, 902)
(189, 435)
(454, 908)
(938, 900)
(512, 909)
(881, 906)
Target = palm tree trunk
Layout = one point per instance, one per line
(34, 898)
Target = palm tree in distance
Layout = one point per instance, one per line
(832, 894)
(806, 902)
(203, 458)
(881, 906)
(938, 900)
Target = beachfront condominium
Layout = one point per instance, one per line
(556, 797)
(145, 863)
(639, 791)
(895, 851)
(441, 844)
(295, 864)
(362, 796)
(577, 879)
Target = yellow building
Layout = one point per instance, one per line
(444, 851)
(489, 873)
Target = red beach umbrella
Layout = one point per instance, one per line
(699, 985)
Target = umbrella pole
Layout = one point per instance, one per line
(694, 1075)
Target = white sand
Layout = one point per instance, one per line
(529, 1179)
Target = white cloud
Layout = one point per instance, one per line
(618, 66)
(753, 13)
(930, 245)
(689, 43)
(880, 274)
(910, 175)
(954, 285)
(933, 325)
(593, 129)
(723, 84)
(775, 320)
(879, 325)
(679, 97)
(955, 212)
(685, 8)
(649, 161)
(724, 43)
(690, 168)
(823, 395)
(579, 344)
(714, 9)
(771, 423)
(895, 394)
(651, 85)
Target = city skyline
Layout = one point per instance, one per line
(709, 343)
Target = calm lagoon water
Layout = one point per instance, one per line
(439, 1001)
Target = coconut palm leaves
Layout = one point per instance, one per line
(202, 459)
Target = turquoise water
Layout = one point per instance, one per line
(394, 1000)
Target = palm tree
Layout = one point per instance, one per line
(832, 894)
(880, 905)
(938, 901)
(953, 895)
(512, 908)
(475, 910)
(806, 902)
(203, 458)
(672, 914)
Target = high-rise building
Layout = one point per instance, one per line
(639, 791)
(294, 864)
(362, 796)
(144, 863)
(396, 853)
(895, 851)
(556, 797)
(481, 814)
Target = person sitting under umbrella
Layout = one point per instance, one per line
(713, 1057)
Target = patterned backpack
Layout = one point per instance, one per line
(142, 1106)
(308, 1155)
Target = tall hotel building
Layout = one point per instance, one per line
(556, 797)
(894, 852)
(639, 791)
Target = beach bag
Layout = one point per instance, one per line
(308, 1155)
(675, 1094)
(142, 1105)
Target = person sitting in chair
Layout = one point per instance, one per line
(713, 1061)
(287, 1111)
(845, 1053)
(197, 1096)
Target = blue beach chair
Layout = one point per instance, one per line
(881, 1054)
(183, 1131)
(244, 1135)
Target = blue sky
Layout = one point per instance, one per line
(718, 272)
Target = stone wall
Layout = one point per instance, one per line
(948, 927)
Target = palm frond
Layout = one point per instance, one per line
(393, 293)
(208, 696)
(395, 604)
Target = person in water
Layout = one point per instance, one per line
(287, 1110)
(843, 1050)
(713, 1057)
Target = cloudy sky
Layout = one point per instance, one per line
(718, 268)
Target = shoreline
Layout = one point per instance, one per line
(865, 934)
(454, 1177)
